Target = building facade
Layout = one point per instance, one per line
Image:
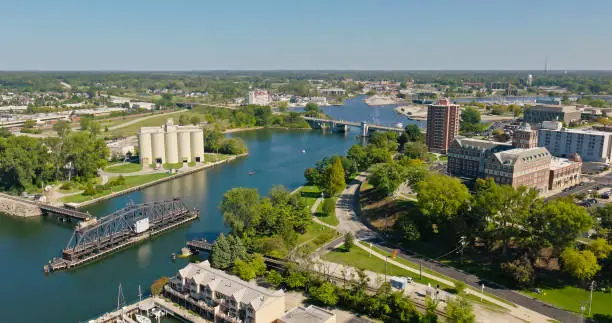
(220, 297)
(467, 156)
(442, 125)
(542, 112)
(525, 137)
(258, 97)
(171, 144)
(592, 146)
(520, 167)
(564, 172)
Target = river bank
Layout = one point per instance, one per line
(157, 181)
(380, 100)
(414, 112)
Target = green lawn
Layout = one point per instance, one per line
(132, 129)
(124, 168)
(212, 157)
(130, 181)
(310, 193)
(329, 219)
(173, 166)
(360, 258)
(315, 236)
(571, 298)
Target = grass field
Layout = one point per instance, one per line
(130, 181)
(571, 298)
(310, 193)
(315, 236)
(124, 168)
(132, 129)
(173, 166)
(329, 219)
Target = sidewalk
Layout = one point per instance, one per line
(313, 210)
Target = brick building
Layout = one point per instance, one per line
(525, 137)
(467, 156)
(520, 167)
(442, 125)
(564, 172)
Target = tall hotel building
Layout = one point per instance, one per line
(442, 125)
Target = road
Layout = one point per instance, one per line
(346, 207)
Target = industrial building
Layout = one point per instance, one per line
(546, 112)
(170, 144)
(442, 125)
(221, 297)
(591, 145)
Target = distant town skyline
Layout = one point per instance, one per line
(311, 35)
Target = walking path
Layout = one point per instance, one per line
(529, 309)
(313, 210)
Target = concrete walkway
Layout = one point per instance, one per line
(313, 210)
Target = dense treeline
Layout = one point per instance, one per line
(251, 116)
(27, 163)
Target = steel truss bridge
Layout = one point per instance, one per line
(96, 237)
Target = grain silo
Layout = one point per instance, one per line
(197, 145)
(158, 144)
(144, 141)
(171, 143)
(184, 145)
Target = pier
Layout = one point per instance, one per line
(344, 125)
(93, 239)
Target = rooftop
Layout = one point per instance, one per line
(512, 156)
(479, 143)
(310, 314)
(557, 163)
(582, 131)
(229, 285)
(552, 107)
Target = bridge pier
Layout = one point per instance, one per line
(364, 129)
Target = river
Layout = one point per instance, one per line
(28, 295)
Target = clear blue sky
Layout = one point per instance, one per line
(304, 34)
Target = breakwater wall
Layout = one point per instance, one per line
(14, 206)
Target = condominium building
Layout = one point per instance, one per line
(467, 156)
(591, 145)
(520, 167)
(171, 144)
(442, 125)
(259, 97)
(564, 172)
(546, 112)
(221, 297)
(525, 137)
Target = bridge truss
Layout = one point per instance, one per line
(119, 226)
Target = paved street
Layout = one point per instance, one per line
(346, 207)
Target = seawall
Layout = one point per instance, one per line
(15, 207)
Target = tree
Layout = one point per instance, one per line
(459, 310)
(386, 178)
(416, 150)
(349, 241)
(279, 195)
(85, 121)
(413, 132)
(29, 124)
(296, 279)
(325, 294)
(378, 155)
(335, 178)
(311, 109)
(500, 135)
(283, 106)
(158, 286)
(407, 229)
(414, 170)
(560, 221)
(195, 120)
(470, 115)
(519, 270)
(359, 156)
(441, 197)
(244, 270)
(431, 307)
(240, 208)
(183, 119)
(274, 278)
(600, 248)
(580, 264)
(237, 249)
(220, 255)
(329, 206)
(385, 140)
(62, 128)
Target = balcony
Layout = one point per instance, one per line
(228, 318)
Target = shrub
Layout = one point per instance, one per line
(519, 270)
(158, 286)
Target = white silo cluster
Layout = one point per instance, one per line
(170, 144)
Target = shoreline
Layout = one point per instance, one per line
(380, 100)
(413, 112)
(145, 185)
(261, 128)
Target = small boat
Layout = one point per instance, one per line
(303, 151)
(142, 319)
(251, 172)
(399, 125)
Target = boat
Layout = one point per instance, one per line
(303, 151)
(399, 125)
(252, 172)
(142, 319)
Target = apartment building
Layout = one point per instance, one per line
(220, 297)
(259, 97)
(591, 145)
(520, 167)
(467, 156)
(442, 125)
(525, 137)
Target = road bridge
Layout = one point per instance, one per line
(343, 125)
(46, 208)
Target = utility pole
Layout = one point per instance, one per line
(462, 246)
(420, 269)
(386, 260)
(591, 297)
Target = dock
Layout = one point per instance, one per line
(125, 314)
(94, 239)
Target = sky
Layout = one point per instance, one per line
(305, 34)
